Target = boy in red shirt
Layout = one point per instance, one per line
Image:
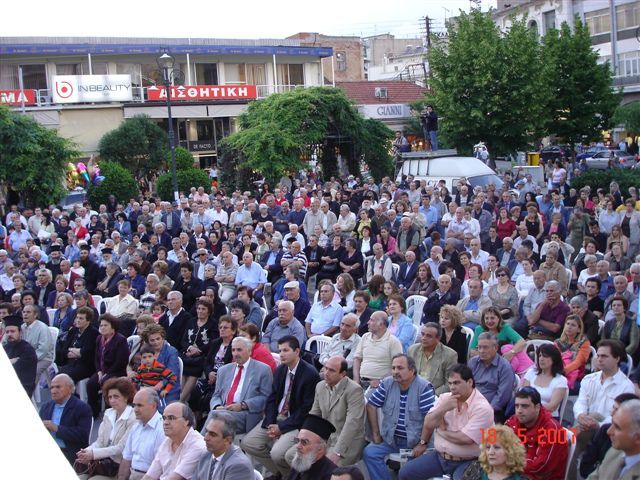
(152, 373)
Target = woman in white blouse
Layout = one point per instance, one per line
(547, 377)
(114, 429)
(524, 283)
(123, 303)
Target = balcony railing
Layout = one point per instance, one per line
(44, 97)
(624, 80)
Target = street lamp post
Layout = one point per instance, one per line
(166, 63)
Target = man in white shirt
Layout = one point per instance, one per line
(379, 264)
(144, 438)
(180, 451)
(597, 393)
(479, 256)
(38, 335)
(219, 214)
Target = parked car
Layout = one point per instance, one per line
(75, 197)
(591, 152)
(616, 158)
(551, 152)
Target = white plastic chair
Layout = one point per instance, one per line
(321, 341)
(416, 302)
(536, 345)
(469, 333)
(276, 357)
(600, 327)
(257, 474)
(181, 369)
(396, 269)
(571, 441)
(81, 388)
(96, 300)
(594, 355)
(629, 365)
(51, 313)
(416, 333)
(133, 341)
(563, 405)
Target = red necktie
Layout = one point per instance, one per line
(234, 385)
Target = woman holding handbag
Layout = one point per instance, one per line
(102, 458)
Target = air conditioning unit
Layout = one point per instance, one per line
(380, 92)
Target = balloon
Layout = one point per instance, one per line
(98, 180)
(82, 170)
(96, 171)
(71, 167)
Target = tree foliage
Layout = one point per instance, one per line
(184, 159)
(276, 131)
(118, 182)
(602, 178)
(487, 86)
(33, 158)
(629, 116)
(583, 100)
(191, 177)
(138, 144)
(508, 89)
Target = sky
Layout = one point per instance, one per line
(230, 19)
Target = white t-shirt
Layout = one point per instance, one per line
(524, 283)
(559, 381)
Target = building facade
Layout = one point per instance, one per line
(85, 87)
(621, 49)
(390, 58)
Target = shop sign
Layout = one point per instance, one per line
(204, 92)
(92, 88)
(17, 97)
(388, 110)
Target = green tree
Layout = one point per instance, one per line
(33, 158)
(583, 100)
(184, 159)
(191, 177)
(138, 144)
(276, 133)
(118, 181)
(629, 116)
(487, 85)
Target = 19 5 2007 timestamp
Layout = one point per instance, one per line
(545, 436)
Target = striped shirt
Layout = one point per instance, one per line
(150, 377)
(427, 399)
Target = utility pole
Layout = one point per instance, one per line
(427, 25)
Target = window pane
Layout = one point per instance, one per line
(34, 76)
(9, 77)
(69, 69)
(296, 74)
(207, 73)
(235, 73)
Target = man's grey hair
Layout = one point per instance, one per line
(380, 315)
(69, 381)
(435, 326)
(247, 343)
(633, 407)
(228, 423)
(579, 301)
(489, 336)
(287, 303)
(553, 284)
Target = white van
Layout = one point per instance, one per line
(444, 165)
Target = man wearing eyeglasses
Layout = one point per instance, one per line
(178, 455)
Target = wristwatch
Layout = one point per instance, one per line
(423, 442)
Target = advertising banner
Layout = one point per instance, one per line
(204, 92)
(92, 88)
(16, 97)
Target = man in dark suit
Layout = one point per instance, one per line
(270, 261)
(246, 402)
(66, 417)
(229, 462)
(287, 406)
(91, 269)
(313, 252)
(44, 286)
(408, 271)
(171, 220)
(175, 319)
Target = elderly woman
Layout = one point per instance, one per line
(64, 314)
(622, 327)
(502, 458)
(112, 434)
(513, 345)
(155, 337)
(76, 352)
(504, 295)
(161, 268)
(331, 260)
(112, 353)
(352, 260)
(61, 285)
(400, 325)
(200, 332)
(259, 351)
(123, 305)
(424, 283)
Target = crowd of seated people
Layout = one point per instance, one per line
(330, 324)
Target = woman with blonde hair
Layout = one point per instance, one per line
(502, 455)
(575, 349)
(452, 334)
